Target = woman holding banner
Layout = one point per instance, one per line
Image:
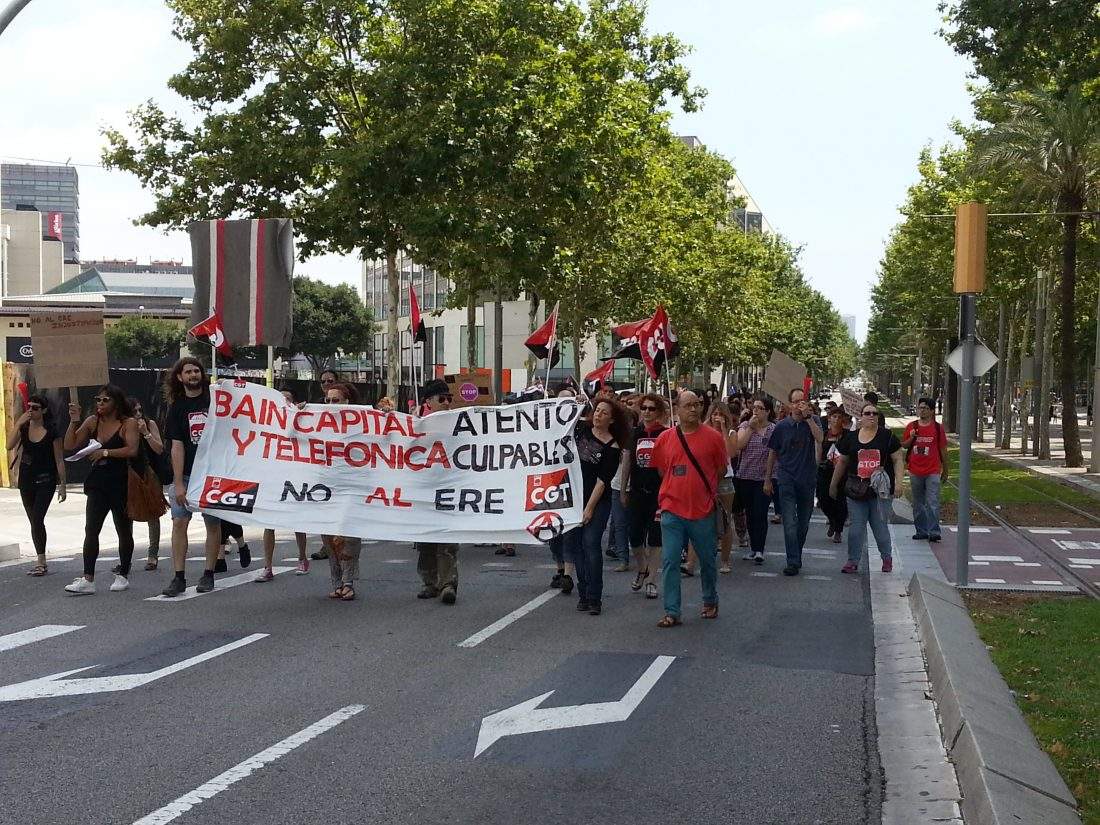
(343, 551)
(114, 428)
(41, 470)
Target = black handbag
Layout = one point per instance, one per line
(858, 488)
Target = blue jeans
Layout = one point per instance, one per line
(619, 537)
(797, 505)
(587, 553)
(926, 504)
(877, 511)
(703, 535)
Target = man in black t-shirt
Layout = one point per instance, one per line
(188, 389)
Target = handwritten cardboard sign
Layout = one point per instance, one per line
(783, 375)
(69, 349)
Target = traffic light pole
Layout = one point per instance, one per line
(968, 309)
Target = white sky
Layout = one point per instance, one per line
(821, 106)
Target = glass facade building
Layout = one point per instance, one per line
(47, 189)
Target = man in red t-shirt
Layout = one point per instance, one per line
(687, 500)
(925, 443)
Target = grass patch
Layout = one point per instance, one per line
(993, 481)
(1047, 651)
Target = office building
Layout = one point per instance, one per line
(850, 322)
(54, 191)
(748, 218)
(30, 263)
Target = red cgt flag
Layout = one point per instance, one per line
(543, 341)
(211, 329)
(657, 342)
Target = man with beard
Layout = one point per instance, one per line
(437, 563)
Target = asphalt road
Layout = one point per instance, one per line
(764, 716)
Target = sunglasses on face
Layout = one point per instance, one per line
(102, 399)
(442, 399)
(649, 409)
(328, 380)
(869, 413)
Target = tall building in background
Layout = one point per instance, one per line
(850, 322)
(748, 218)
(52, 190)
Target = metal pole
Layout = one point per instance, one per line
(271, 367)
(1038, 401)
(968, 306)
(1094, 458)
(8, 14)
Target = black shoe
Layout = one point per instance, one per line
(829, 532)
(499, 551)
(686, 571)
(175, 587)
(448, 594)
(595, 608)
(566, 584)
(220, 566)
(117, 569)
(320, 554)
(934, 538)
(246, 556)
(920, 537)
(610, 553)
(206, 583)
(428, 592)
(555, 582)
(583, 606)
(790, 570)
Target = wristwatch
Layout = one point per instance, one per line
(106, 453)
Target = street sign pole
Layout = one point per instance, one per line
(968, 306)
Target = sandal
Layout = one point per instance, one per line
(348, 594)
(639, 580)
(710, 611)
(338, 593)
(37, 571)
(669, 621)
(151, 564)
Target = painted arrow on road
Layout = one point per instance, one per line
(47, 687)
(528, 717)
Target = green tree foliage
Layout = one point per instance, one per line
(134, 337)
(328, 320)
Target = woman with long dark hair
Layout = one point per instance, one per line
(599, 444)
(41, 470)
(114, 428)
(751, 450)
(645, 485)
(835, 509)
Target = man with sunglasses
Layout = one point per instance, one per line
(437, 563)
(795, 449)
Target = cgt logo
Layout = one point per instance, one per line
(549, 491)
(229, 494)
(546, 526)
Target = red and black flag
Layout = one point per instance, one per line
(657, 342)
(543, 341)
(628, 340)
(243, 271)
(419, 333)
(598, 377)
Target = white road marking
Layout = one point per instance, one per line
(819, 578)
(1077, 545)
(1085, 562)
(219, 584)
(497, 564)
(57, 685)
(248, 767)
(997, 558)
(502, 623)
(1081, 566)
(1048, 531)
(397, 561)
(979, 564)
(972, 529)
(764, 575)
(1026, 564)
(1041, 581)
(36, 634)
(528, 717)
(990, 581)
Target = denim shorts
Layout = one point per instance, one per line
(182, 512)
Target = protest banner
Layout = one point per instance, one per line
(852, 402)
(477, 474)
(70, 349)
(783, 374)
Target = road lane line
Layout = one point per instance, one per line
(765, 575)
(1026, 564)
(36, 634)
(990, 581)
(219, 584)
(1046, 581)
(1085, 562)
(248, 767)
(996, 558)
(500, 624)
(1048, 531)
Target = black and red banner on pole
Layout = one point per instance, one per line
(243, 271)
(211, 329)
(419, 333)
(543, 341)
(599, 376)
(650, 341)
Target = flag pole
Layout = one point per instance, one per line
(271, 367)
(213, 363)
(549, 362)
(668, 383)
(412, 374)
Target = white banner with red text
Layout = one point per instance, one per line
(506, 474)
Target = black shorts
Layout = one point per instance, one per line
(645, 527)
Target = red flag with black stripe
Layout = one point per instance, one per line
(599, 376)
(543, 341)
(211, 330)
(420, 334)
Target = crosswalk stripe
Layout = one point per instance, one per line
(35, 634)
(220, 584)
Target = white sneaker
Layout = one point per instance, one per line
(120, 583)
(81, 587)
(725, 568)
(758, 558)
(749, 556)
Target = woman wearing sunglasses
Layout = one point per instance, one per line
(752, 450)
(114, 427)
(870, 464)
(41, 470)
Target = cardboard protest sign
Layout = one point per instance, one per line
(476, 474)
(852, 401)
(783, 375)
(69, 349)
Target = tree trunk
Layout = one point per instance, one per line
(1070, 434)
(532, 325)
(393, 344)
(1038, 402)
(471, 330)
(1048, 378)
(1002, 372)
(1025, 396)
(1004, 389)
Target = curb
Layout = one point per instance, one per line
(1004, 775)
